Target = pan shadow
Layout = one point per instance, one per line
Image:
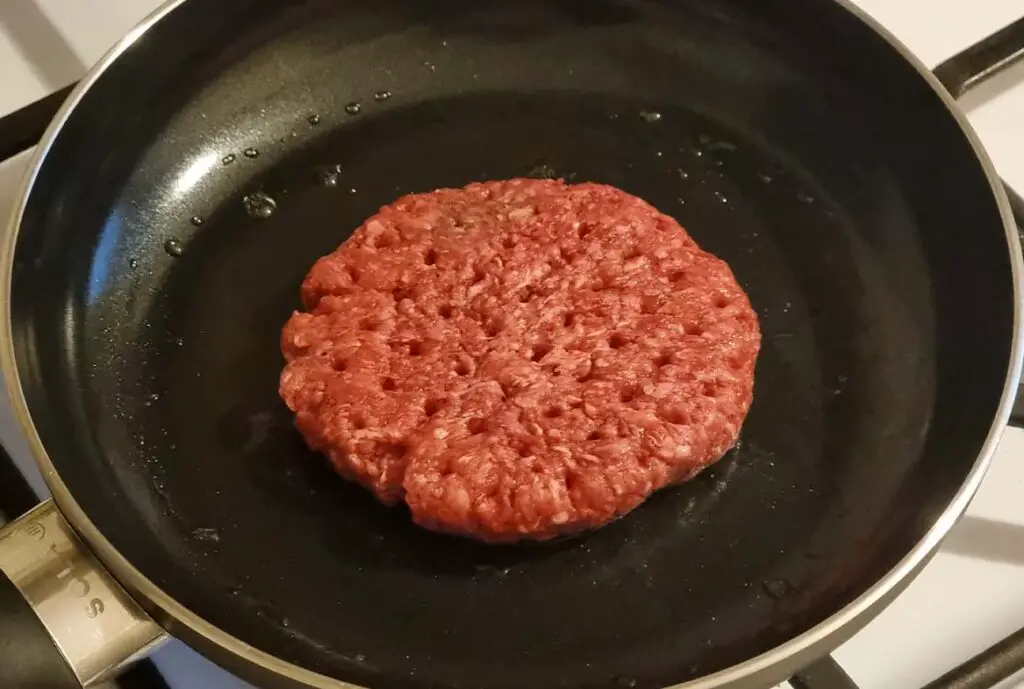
(987, 539)
(30, 29)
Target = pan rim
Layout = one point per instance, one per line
(780, 661)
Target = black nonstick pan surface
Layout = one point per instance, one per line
(167, 231)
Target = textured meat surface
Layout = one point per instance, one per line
(521, 358)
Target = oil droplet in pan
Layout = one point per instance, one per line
(197, 220)
(381, 96)
(353, 108)
(251, 153)
(650, 116)
(259, 205)
(313, 119)
(206, 534)
(174, 248)
(542, 171)
(228, 159)
(329, 176)
(777, 588)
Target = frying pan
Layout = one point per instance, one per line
(192, 178)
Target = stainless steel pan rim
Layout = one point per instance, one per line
(774, 665)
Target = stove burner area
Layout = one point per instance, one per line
(21, 130)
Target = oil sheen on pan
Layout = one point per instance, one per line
(520, 359)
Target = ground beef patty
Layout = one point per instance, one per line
(520, 359)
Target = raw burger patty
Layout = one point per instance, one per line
(520, 359)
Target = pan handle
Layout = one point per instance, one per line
(28, 656)
(64, 621)
(983, 60)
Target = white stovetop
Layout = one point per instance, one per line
(969, 597)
